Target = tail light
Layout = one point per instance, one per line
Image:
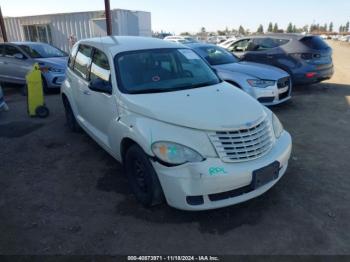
(310, 74)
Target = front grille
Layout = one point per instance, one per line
(268, 99)
(283, 82)
(243, 144)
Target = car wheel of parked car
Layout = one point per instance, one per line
(142, 177)
(45, 88)
(70, 118)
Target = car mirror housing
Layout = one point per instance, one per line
(100, 85)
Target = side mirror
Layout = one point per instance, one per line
(100, 85)
(19, 56)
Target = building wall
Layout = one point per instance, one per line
(81, 25)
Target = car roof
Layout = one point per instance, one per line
(199, 45)
(28, 43)
(117, 44)
(278, 35)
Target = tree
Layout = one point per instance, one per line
(241, 30)
(290, 28)
(341, 29)
(275, 28)
(270, 28)
(260, 29)
(305, 29)
(330, 29)
(185, 33)
(294, 29)
(325, 27)
(347, 27)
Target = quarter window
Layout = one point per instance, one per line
(100, 66)
(83, 61)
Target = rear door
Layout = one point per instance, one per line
(270, 51)
(14, 69)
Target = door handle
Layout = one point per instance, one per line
(86, 92)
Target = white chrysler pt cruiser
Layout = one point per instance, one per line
(181, 132)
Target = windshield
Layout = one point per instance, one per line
(162, 70)
(42, 51)
(216, 55)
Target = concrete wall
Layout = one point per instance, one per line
(81, 25)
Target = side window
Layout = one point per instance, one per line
(100, 66)
(239, 46)
(83, 61)
(10, 51)
(72, 56)
(262, 44)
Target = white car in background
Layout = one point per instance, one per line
(180, 39)
(268, 84)
(228, 42)
(180, 131)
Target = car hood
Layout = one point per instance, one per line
(59, 62)
(217, 107)
(256, 70)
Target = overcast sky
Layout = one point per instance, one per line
(190, 15)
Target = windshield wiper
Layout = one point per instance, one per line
(179, 87)
(149, 90)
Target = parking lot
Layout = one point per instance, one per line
(60, 193)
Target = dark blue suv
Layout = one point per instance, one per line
(307, 58)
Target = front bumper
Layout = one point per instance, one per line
(273, 95)
(194, 179)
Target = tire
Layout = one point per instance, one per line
(70, 118)
(142, 177)
(42, 111)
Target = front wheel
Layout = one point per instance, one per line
(142, 177)
(70, 118)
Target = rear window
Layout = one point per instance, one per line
(314, 42)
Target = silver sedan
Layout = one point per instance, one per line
(269, 85)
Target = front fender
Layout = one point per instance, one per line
(145, 131)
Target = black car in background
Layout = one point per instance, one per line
(307, 58)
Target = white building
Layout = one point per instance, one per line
(58, 29)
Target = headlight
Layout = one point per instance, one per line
(277, 126)
(175, 154)
(260, 83)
